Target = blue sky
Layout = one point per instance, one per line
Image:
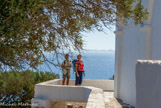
(99, 40)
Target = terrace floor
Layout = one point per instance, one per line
(112, 102)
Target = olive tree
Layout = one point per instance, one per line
(28, 28)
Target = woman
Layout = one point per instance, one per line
(79, 70)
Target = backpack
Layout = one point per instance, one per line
(74, 62)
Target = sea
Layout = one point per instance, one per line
(98, 65)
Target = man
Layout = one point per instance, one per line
(79, 70)
(66, 65)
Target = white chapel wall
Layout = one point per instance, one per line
(137, 42)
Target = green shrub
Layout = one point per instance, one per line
(18, 86)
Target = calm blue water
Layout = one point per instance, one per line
(97, 66)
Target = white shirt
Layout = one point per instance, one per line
(66, 63)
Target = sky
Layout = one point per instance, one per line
(100, 40)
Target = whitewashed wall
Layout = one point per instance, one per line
(52, 91)
(148, 89)
(156, 31)
(133, 43)
(106, 85)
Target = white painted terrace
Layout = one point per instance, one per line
(92, 94)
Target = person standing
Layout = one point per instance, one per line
(79, 68)
(66, 66)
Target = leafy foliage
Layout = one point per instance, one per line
(28, 28)
(16, 86)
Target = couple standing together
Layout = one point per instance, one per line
(79, 71)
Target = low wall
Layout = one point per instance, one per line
(46, 95)
(91, 92)
(63, 93)
(103, 84)
(148, 81)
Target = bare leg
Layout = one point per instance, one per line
(63, 81)
(67, 81)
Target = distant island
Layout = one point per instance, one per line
(110, 51)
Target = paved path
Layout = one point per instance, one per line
(110, 101)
